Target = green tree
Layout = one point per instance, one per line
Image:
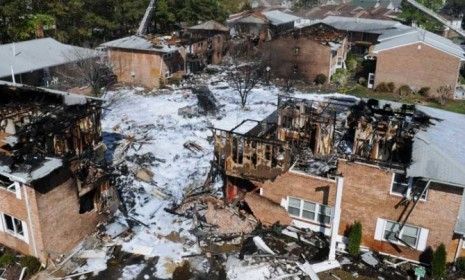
(164, 17)
(355, 239)
(438, 264)
(411, 14)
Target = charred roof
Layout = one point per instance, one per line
(319, 32)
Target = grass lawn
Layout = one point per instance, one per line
(457, 106)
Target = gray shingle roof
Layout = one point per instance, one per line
(363, 24)
(139, 43)
(437, 153)
(210, 25)
(394, 39)
(37, 54)
(277, 17)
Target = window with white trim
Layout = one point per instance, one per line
(8, 185)
(409, 234)
(400, 185)
(308, 210)
(413, 236)
(14, 226)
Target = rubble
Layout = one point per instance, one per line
(369, 259)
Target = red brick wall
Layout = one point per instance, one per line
(12, 206)
(61, 225)
(366, 197)
(312, 59)
(298, 185)
(424, 67)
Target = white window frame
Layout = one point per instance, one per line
(316, 211)
(421, 239)
(15, 188)
(3, 227)
(391, 192)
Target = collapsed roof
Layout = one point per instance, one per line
(30, 120)
(142, 43)
(416, 139)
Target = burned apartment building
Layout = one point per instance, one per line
(261, 24)
(384, 162)
(145, 60)
(308, 52)
(54, 188)
(153, 60)
(205, 43)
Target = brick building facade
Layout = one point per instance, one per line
(307, 52)
(54, 189)
(405, 212)
(417, 65)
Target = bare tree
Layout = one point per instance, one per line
(247, 69)
(87, 68)
(443, 94)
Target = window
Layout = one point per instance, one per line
(296, 51)
(410, 235)
(8, 185)
(400, 185)
(309, 210)
(13, 226)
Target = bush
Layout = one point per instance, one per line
(424, 91)
(438, 264)
(7, 259)
(351, 63)
(460, 264)
(355, 239)
(321, 79)
(362, 81)
(340, 77)
(382, 87)
(33, 264)
(405, 90)
(391, 87)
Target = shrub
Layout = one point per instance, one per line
(382, 87)
(438, 264)
(340, 77)
(7, 259)
(424, 91)
(321, 79)
(355, 238)
(351, 63)
(32, 264)
(460, 264)
(362, 81)
(404, 90)
(391, 87)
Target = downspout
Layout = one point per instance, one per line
(459, 248)
(336, 218)
(31, 227)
